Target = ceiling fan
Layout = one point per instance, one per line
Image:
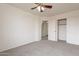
(41, 7)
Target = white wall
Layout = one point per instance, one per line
(17, 27)
(51, 29)
(73, 30)
(72, 26)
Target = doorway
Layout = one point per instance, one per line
(45, 30)
(62, 29)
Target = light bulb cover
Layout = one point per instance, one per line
(40, 8)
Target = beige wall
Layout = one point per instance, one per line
(17, 27)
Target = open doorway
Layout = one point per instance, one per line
(44, 30)
(62, 29)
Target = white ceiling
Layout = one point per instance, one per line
(58, 8)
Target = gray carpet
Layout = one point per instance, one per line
(44, 48)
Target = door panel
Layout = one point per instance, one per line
(62, 32)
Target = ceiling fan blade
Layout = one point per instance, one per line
(48, 6)
(36, 6)
(33, 8)
(36, 3)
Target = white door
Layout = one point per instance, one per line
(62, 30)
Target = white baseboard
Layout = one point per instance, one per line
(72, 42)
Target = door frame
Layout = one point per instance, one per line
(41, 26)
(57, 32)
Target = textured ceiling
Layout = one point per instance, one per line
(58, 8)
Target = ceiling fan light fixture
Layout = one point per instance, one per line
(40, 8)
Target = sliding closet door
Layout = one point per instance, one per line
(62, 29)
